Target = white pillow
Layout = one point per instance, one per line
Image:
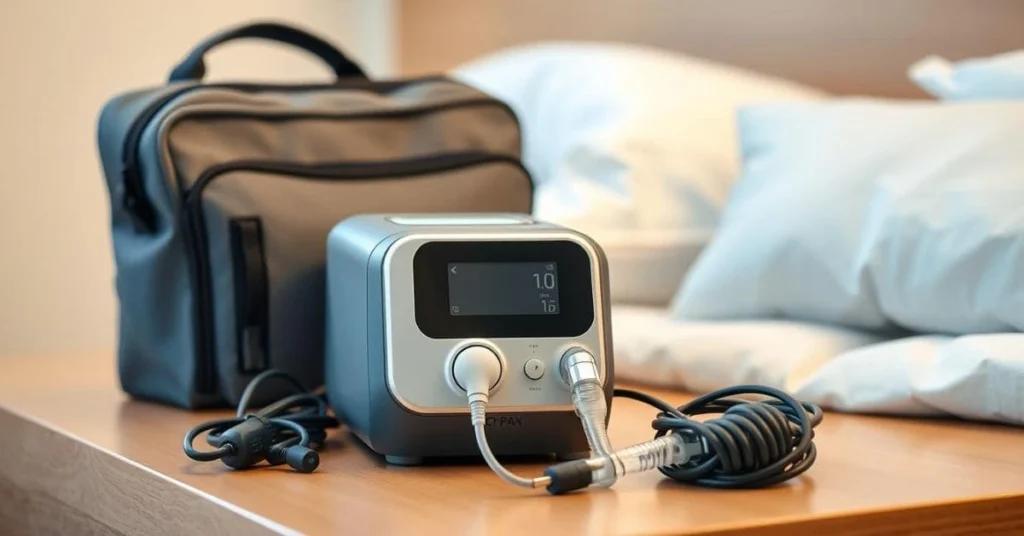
(972, 377)
(633, 146)
(999, 77)
(646, 267)
(699, 357)
(872, 214)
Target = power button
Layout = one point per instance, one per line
(534, 369)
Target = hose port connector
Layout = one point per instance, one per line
(578, 365)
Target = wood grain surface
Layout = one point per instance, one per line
(77, 456)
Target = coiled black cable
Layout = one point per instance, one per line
(283, 432)
(753, 444)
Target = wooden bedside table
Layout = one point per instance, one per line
(78, 456)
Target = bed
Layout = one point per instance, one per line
(841, 48)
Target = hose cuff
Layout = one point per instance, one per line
(568, 476)
(478, 411)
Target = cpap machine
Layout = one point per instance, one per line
(423, 308)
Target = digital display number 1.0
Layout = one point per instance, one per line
(547, 284)
(503, 288)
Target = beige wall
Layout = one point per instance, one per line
(842, 46)
(59, 62)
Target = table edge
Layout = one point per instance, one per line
(46, 465)
(39, 457)
(994, 514)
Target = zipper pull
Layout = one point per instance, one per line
(135, 203)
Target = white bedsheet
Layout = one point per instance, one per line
(972, 376)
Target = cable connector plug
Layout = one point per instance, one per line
(569, 476)
(302, 459)
(248, 442)
(282, 432)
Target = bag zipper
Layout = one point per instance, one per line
(134, 199)
(197, 246)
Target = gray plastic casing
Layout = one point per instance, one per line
(379, 389)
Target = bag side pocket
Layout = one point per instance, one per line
(251, 294)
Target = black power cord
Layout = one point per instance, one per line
(283, 432)
(753, 444)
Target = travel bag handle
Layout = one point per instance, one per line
(194, 68)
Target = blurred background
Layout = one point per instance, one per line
(61, 61)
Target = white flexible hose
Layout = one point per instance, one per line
(477, 412)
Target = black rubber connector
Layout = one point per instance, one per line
(302, 459)
(568, 476)
(250, 441)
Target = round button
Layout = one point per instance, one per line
(472, 360)
(534, 369)
(477, 364)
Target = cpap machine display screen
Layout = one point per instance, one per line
(503, 288)
(515, 288)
